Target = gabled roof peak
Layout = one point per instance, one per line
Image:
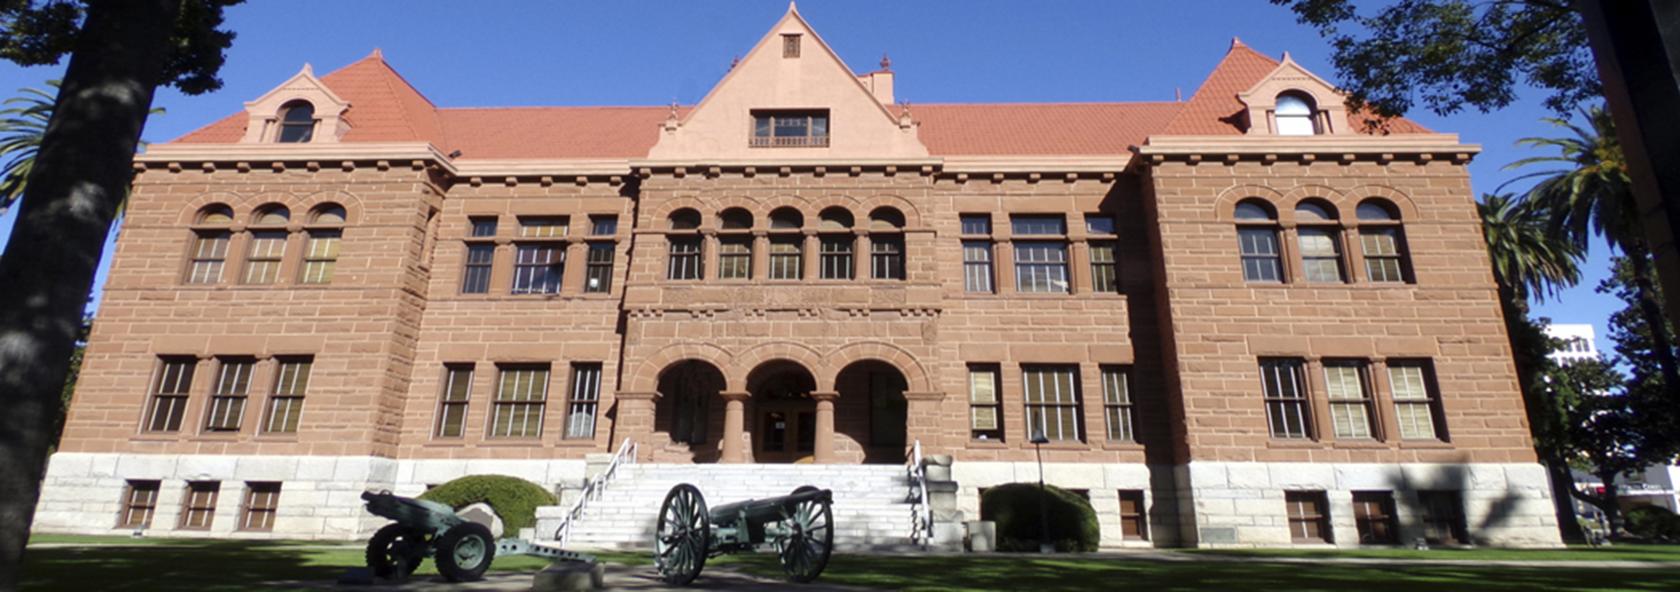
(376, 55)
(1236, 42)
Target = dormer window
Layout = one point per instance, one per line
(784, 129)
(297, 123)
(1295, 115)
(790, 45)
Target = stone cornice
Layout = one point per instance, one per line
(323, 152)
(1348, 147)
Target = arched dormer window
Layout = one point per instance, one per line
(297, 123)
(1296, 115)
(1382, 241)
(683, 255)
(1320, 239)
(1257, 241)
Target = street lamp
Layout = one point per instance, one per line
(1045, 543)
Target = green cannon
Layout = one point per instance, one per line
(419, 529)
(799, 526)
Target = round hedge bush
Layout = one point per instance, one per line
(1014, 507)
(515, 500)
(1653, 523)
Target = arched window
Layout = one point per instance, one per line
(834, 219)
(786, 218)
(210, 245)
(836, 246)
(320, 254)
(268, 244)
(215, 214)
(1320, 240)
(683, 260)
(272, 215)
(787, 244)
(297, 123)
(735, 244)
(328, 214)
(735, 219)
(886, 218)
(1295, 114)
(886, 244)
(1257, 241)
(1382, 241)
(685, 219)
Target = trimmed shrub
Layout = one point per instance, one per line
(515, 500)
(1015, 509)
(1653, 523)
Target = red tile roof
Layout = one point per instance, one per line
(386, 108)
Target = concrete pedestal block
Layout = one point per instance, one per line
(938, 467)
(981, 536)
(569, 576)
(947, 536)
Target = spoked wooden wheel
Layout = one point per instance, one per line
(805, 551)
(679, 544)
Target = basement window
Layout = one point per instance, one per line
(790, 129)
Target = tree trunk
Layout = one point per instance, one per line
(81, 174)
(1563, 483)
(1645, 283)
(1612, 505)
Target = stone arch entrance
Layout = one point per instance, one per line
(871, 412)
(689, 411)
(783, 418)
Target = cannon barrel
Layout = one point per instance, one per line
(768, 509)
(410, 512)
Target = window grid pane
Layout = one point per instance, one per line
(483, 227)
(787, 260)
(977, 267)
(520, 398)
(1383, 258)
(598, 274)
(320, 257)
(684, 263)
(1038, 225)
(285, 406)
(586, 395)
(538, 269)
(452, 405)
(475, 275)
(1285, 396)
(227, 399)
(1052, 402)
(886, 257)
(1350, 404)
(262, 500)
(836, 258)
(209, 255)
(1041, 267)
(1104, 272)
(544, 227)
(976, 224)
(198, 506)
(1260, 257)
(268, 248)
(735, 258)
(1117, 404)
(1321, 255)
(1414, 403)
(985, 409)
(139, 504)
(169, 395)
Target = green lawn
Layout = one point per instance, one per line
(1579, 553)
(117, 563)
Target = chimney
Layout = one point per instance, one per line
(880, 82)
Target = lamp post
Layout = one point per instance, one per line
(1045, 543)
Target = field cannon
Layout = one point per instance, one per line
(419, 529)
(799, 526)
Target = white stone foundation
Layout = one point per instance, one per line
(320, 497)
(1102, 481)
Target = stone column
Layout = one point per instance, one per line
(1382, 401)
(760, 255)
(813, 256)
(709, 254)
(1353, 252)
(861, 269)
(734, 426)
(824, 449)
(635, 417)
(1290, 253)
(1317, 399)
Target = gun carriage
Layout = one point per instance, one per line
(798, 526)
(419, 529)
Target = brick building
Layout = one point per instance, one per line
(1247, 318)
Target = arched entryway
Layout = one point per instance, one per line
(690, 411)
(783, 418)
(871, 412)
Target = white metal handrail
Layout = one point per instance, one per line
(921, 513)
(593, 489)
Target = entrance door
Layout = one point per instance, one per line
(786, 433)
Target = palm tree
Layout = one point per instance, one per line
(23, 122)
(1589, 194)
(1529, 261)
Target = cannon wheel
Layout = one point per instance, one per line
(805, 553)
(464, 552)
(679, 543)
(395, 551)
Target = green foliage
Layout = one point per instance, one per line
(23, 122)
(41, 32)
(1653, 523)
(515, 500)
(1588, 192)
(1527, 258)
(1015, 509)
(1455, 53)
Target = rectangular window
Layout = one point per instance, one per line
(789, 129)
(598, 275)
(139, 503)
(1047, 225)
(268, 248)
(483, 226)
(787, 257)
(985, 407)
(1041, 267)
(285, 405)
(586, 396)
(198, 506)
(1309, 516)
(1321, 255)
(1374, 518)
(886, 257)
(977, 267)
(1383, 258)
(1117, 403)
(544, 226)
(836, 257)
(1260, 258)
(1099, 224)
(603, 225)
(452, 404)
(520, 398)
(320, 257)
(262, 501)
(1286, 397)
(538, 268)
(1134, 521)
(227, 397)
(1443, 517)
(1104, 272)
(1350, 401)
(209, 254)
(735, 258)
(1417, 408)
(684, 262)
(976, 224)
(1052, 395)
(475, 275)
(169, 394)
(790, 46)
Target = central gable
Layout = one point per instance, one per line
(789, 74)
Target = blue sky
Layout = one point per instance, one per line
(653, 52)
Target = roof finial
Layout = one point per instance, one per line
(905, 120)
(791, 7)
(735, 62)
(1236, 42)
(377, 54)
(1286, 57)
(308, 69)
(886, 62)
(1178, 94)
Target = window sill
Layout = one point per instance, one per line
(511, 443)
(577, 443)
(1426, 445)
(988, 444)
(1360, 444)
(276, 438)
(1065, 446)
(229, 437)
(156, 437)
(1301, 444)
(1123, 446)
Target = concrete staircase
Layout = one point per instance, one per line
(871, 502)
